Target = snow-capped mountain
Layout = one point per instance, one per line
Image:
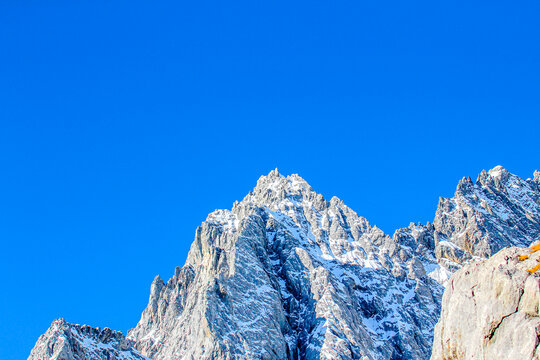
(64, 341)
(287, 274)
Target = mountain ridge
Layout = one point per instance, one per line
(287, 265)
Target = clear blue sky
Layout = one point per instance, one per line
(123, 125)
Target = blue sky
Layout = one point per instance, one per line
(122, 125)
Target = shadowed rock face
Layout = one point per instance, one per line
(490, 311)
(287, 274)
(64, 341)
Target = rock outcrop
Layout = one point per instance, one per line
(64, 341)
(490, 310)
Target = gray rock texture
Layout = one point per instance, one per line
(64, 341)
(490, 310)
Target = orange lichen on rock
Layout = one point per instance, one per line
(535, 248)
(532, 249)
(534, 269)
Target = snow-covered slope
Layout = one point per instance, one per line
(64, 341)
(286, 274)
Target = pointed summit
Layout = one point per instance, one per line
(272, 176)
(498, 172)
(274, 182)
(465, 183)
(158, 281)
(482, 177)
(274, 172)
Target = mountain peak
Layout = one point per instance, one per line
(498, 172)
(274, 174)
(498, 175)
(273, 177)
(276, 185)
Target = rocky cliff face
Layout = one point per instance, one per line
(491, 311)
(64, 341)
(287, 274)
